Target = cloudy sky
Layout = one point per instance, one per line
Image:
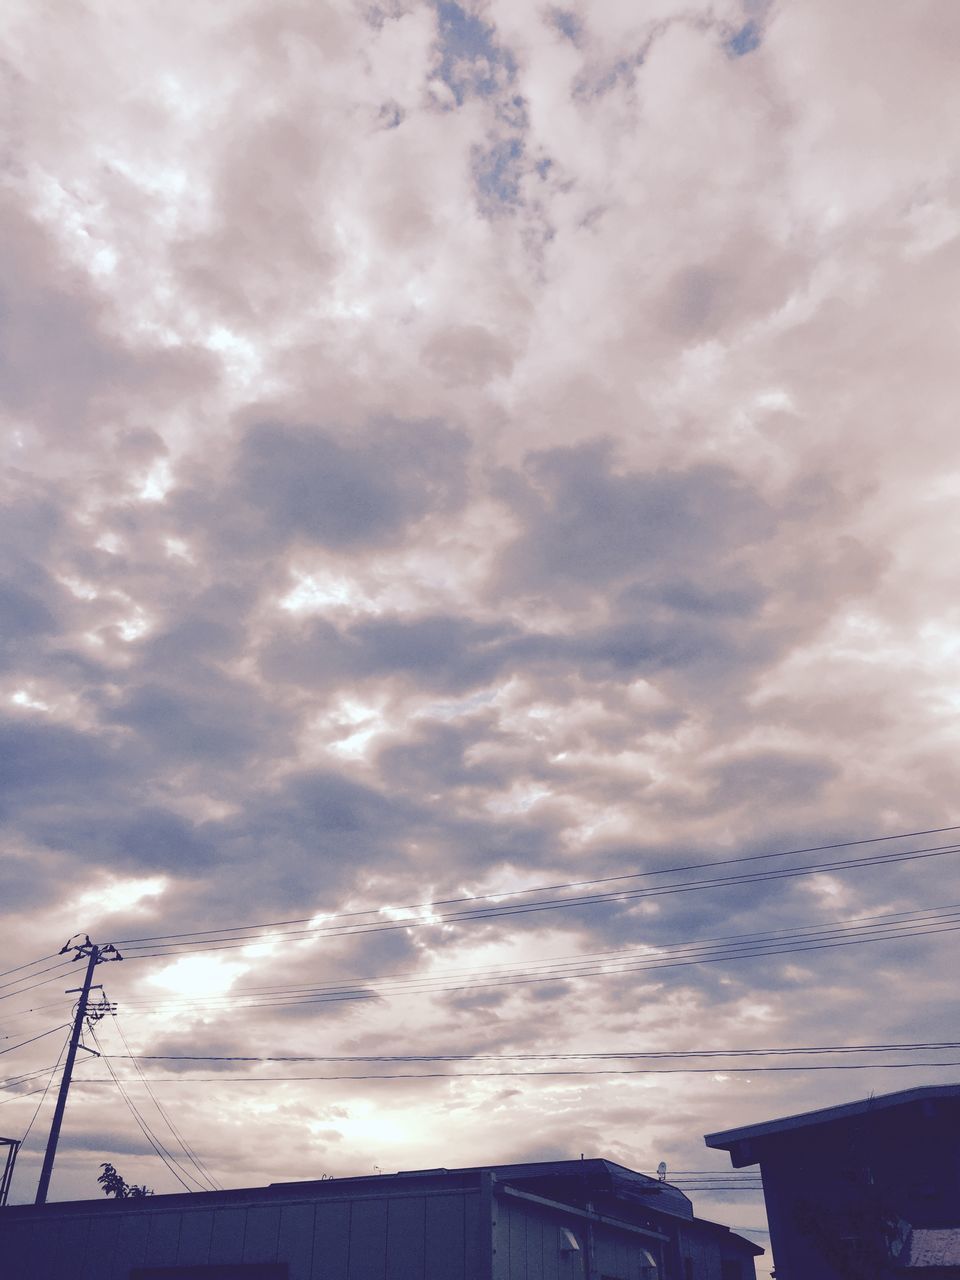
(452, 450)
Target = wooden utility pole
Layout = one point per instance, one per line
(94, 955)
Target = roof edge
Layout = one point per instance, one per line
(724, 1139)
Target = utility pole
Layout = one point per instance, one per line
(13, 1145)
(94, 955)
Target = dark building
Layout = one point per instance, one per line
(559, 1220)
(864, 1191)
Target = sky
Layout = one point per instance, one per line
(454, 450)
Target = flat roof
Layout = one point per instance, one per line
(728, 1138)
(593, 1170)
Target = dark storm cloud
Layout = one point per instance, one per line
(443, 652)
(27, 881)
(24, 618)
(98, 1141)
(193, 639)
(304, 841)
(215, 725)
(321, 832)
(772, 778)
(150, 838)
(665, 545)
(434, 755)
(452, 655)
(48, 762)
(338, 489)
(589, 525)
(32, 603)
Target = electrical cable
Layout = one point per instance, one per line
(550, 888)
(943, 911)
(496, 912)
(27, 1076)
(16, 1098)
(29, 965)
(11, 1081)
(46, 1089)
(593, 1056)
(168, 1159)
(46, 981)
(572, 965)
(188, 1151)
(851, 925)
(682, 955)
(32, 1038)
(719, 1070)
(721, 1190)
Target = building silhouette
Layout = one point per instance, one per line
(556, 1220)
(865, 1191)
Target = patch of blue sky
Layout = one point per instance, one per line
(596, 81)
(471, 60)
(513, 112)
(745, 40)
(497, 173)
(567, 23)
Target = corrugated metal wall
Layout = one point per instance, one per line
(399, 1237)
(530, 1246)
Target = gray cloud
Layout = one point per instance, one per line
(556, 483)
(593, 526)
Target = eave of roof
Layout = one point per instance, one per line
(727, 1138)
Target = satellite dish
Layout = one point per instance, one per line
(662, 1171)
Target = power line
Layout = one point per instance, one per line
(135, 950)
(45, 1091)
(29, 965)
(24, 1076)
(187, 1150)
(32, 1038)
(16, 1098)
(339, 996)
(717, 1069)
(31, 1075)
(169, 1160)
(641, 960)
(550, 888)
(941, 913)
(676, 1176)
(613, 1055)
(62, 969)
(708, 1186)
